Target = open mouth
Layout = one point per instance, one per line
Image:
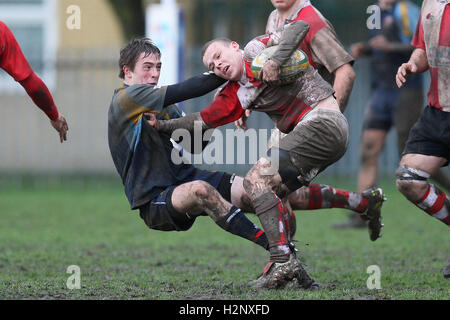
(225, 70)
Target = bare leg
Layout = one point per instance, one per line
(196, 197)
(412, 182)
(202, 198)
(371, 146)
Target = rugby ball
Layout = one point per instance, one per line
(297, 64)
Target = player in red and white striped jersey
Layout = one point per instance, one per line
(15, 64)
(428, 146)
(326, 54)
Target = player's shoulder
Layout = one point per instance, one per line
(313, 17)
(3, 26)
(5, 32)
(138, 89)
(273, 14)
(271, 24)
(141, 95)
(230, 88)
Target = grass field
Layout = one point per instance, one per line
(43, 231)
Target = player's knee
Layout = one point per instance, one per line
(403, 186)
(201, 190)
(412, 183)
(299, 199)
(368, 152)
(259, 177)
(248, 185)
(287, 170)
(246, 203)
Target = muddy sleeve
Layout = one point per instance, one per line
(328, 51)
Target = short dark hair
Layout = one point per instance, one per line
(129, 54)
(223, 40)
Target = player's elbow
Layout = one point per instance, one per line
(32, 84)
(346, 71)
(351, 74)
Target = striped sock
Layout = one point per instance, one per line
(271, 212)
(322, 196)
(436, 204)
(238, 224)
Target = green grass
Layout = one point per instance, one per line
(43, 231)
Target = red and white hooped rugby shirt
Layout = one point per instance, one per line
(285, 105)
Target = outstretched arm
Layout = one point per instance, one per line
(187, 122)
(224, 109)
(38, 92)
(194, 87)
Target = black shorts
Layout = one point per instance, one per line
(159, 213)
(431, 134)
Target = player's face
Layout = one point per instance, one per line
(224, 60)
(283, 4)
(146, 71)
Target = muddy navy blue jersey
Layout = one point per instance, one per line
(141, 154)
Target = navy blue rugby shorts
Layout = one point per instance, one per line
(159, 213)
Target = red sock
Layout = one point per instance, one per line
(323, 196)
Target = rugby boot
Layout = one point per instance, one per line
(276, 275)
(302, 279)
(376, 198)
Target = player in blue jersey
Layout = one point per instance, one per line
(169, 196)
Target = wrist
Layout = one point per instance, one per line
(54, 115)
(274, 63)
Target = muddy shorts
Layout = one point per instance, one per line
(430, 136)
(159, 213)
(319, 140)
